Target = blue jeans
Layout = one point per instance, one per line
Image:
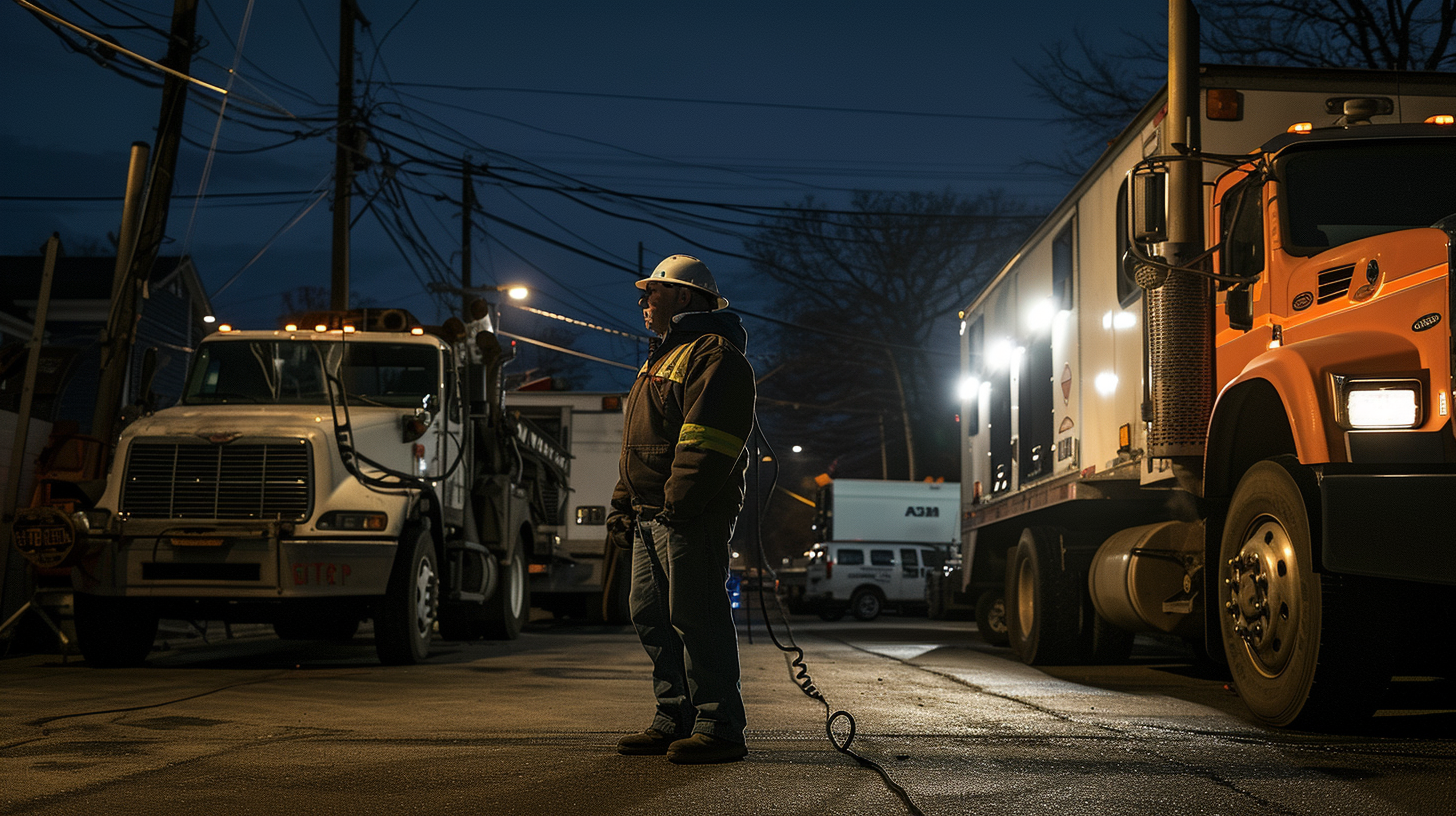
(679, 602)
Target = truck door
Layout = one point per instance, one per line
(912, 575)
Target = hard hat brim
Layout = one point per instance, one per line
(722, 301)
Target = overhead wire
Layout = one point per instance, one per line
(217, 129)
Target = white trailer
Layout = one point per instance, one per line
(589, 426)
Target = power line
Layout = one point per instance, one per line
(735, 103)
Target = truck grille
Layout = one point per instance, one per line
(267, 480)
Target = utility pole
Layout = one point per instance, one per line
(345, 149)
(121, 326)
(467, 207)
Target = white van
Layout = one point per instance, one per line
(865, 577)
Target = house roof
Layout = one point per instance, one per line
(87, 278)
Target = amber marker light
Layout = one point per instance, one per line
(320, 328)
(1301, 127)
(417, 331)
(291, 327)
(226, 327)
(349, 330)
(1441, 119)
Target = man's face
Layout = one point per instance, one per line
(659, 302)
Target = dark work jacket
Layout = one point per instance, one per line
(686, 423)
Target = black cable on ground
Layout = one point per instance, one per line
(793, 653)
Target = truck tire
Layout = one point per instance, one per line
(1302, 646)
(508, 609)
(866, 604)
(405, 623)
(1043, 600)
(114, 632)
(991, 617)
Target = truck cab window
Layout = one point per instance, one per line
(1338, 193)
(1242, 216)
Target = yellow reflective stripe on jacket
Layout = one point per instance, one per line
(701, 436)
(674, 366)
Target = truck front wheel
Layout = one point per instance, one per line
(508, 609)
(114, 632)
(1301, 651)
(405, 624)
(1043, 600)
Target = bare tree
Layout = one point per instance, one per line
(869, 356)
(1099, 89)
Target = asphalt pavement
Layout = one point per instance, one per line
(255, 725)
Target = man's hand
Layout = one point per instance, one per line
(619, 530)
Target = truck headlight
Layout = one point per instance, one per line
(345, 520)
(1381, 403)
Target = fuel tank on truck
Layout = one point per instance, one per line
(1147, 578)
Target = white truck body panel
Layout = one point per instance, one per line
(876, 510)
(1021, 341)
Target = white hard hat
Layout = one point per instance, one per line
(685, 270)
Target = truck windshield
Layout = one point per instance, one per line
(1337, 193)
(290, 372)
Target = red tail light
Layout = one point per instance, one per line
(828, 568)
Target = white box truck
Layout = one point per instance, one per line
(585, 578)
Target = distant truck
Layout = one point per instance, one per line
(351, 465)
(1211, 396)
(877, 543)
(585, 577)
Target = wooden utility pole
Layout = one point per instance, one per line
(467, 207)
(345, 147)
(121, 327)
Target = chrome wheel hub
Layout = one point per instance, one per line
(1264, 603)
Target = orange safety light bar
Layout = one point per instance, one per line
(1441, 119)
(1301, 127)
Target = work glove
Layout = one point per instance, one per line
(620, 531)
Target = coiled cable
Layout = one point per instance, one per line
(793, 653)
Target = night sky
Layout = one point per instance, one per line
(714, 105)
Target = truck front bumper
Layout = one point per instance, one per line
(244, 561)
(1389, 525)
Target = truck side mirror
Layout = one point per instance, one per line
(413, 426)
(1239, 308)
(1149, 208)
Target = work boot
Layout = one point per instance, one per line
(703, 749)
(648, 743)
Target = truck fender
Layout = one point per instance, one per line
(426, 508)
(1293, 380)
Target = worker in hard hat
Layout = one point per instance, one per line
(681, 488)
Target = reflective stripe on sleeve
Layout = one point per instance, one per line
(701, 436)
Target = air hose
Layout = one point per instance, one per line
(793, 653)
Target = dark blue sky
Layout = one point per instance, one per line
(625, 96)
